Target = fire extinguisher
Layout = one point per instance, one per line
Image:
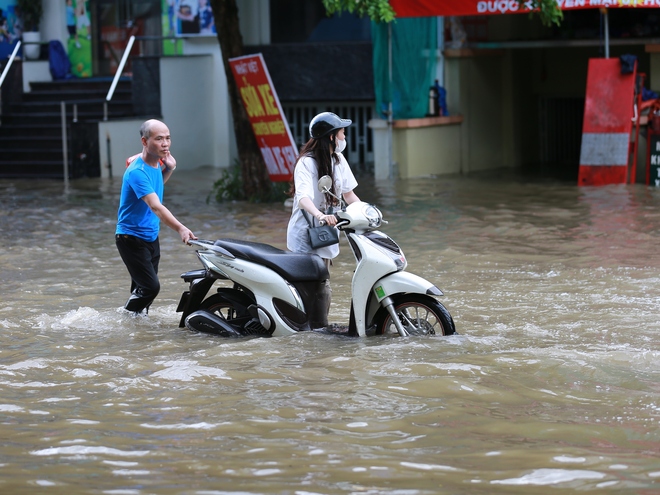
(433, 102)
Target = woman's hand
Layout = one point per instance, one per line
(309, 207)
(328, 219)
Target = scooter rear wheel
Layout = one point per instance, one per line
(228, 308)
(419, 315)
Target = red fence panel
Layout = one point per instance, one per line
(608, 120)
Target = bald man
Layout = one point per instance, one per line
(140, 212)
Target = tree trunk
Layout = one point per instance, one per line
(256, 182)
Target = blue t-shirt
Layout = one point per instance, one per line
(70, 16)
(134, 216)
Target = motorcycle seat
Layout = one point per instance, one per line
(294, 267)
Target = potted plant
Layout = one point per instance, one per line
(31, 12)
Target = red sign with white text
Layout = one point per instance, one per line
(266, 116)
(432, 8)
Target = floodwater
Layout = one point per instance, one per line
(553, 383)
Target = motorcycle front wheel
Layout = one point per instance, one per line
(419, 315)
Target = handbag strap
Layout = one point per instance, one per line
(306, 215)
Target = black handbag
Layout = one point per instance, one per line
(322, 236)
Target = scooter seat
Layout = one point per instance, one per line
(294, 267)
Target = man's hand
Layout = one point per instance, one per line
(169, 162)
(186, 234)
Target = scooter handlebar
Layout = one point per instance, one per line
(340, 221)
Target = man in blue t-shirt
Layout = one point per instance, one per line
(141, 211)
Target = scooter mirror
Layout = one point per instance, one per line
(325, 183)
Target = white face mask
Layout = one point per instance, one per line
(340, 145)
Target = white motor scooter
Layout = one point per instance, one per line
(273, 290)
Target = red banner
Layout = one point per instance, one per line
(432, 8)
(266, 116)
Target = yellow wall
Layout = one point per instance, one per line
(427, 151)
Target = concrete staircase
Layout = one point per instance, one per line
(31, 127)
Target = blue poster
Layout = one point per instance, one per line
(11, 28)
(188, 18)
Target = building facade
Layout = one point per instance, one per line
(514, 89)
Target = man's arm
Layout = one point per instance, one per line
(167, 218)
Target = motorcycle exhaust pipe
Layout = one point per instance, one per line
(203, 321)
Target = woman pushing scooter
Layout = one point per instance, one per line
(320, 156)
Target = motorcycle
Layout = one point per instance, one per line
(271, 291)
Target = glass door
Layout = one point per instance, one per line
(114, 22)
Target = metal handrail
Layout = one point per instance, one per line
(11, 60)
(115, 80)
(65, 146)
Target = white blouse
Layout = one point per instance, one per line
(305, 178)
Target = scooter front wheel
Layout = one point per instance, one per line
(419, 315)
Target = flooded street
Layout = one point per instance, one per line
(553, 382)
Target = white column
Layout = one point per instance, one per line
(53, 21)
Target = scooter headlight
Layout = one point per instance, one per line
(373, 215)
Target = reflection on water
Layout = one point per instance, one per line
(551, 384)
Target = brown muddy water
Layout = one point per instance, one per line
(552, 385)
